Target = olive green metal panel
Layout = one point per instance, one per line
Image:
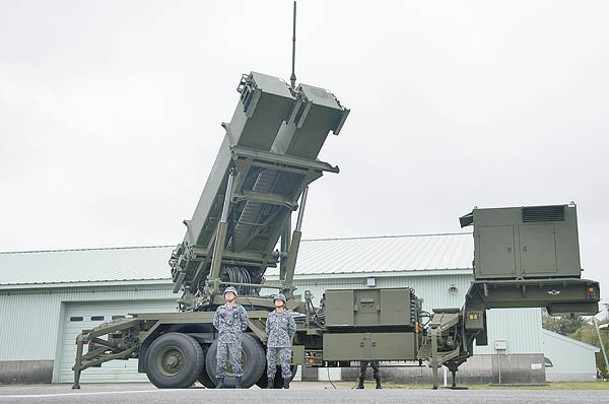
(559, 296)
(538, 255)
(339, 308)
(316, 113)
(474, 319)
(397, 307)
(298, 355)
(264, 103)
(567, 246)
(370, 346)
(369, 307)
(525, 242)
(495, 255)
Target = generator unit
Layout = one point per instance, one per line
(525, 242)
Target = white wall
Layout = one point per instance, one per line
(572, 360)
(32, 319)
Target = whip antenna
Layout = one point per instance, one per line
(293, 76)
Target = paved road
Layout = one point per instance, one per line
(309, 393)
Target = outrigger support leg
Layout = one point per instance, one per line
(76, 368)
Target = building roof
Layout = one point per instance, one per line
(565, 339)
(86, 265)
(385, 254)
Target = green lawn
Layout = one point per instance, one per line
(549, 386)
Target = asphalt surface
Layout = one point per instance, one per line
(300, 392)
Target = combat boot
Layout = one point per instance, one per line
(378, 385)
(238, 382)
(220, 383)
(286, 383)
(360, 384)
(271, 383)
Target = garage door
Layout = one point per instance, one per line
(81, 316)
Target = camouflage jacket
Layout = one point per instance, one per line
(280, 328)
(231, 320)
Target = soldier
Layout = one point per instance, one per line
(230, 320)
(376, 373)
(280, 328)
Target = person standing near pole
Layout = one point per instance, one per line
(280, 328)
(376, 373)
(231, 321)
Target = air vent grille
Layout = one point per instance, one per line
(543, 214)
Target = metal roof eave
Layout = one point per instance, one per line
(383, 274)
(88, 284)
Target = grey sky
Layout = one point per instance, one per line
(110, 113)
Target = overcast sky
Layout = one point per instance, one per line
(110, 113)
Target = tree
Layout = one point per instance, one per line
(587, 333)
(564, 325)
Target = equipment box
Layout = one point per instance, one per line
(370, 307)
(370, 346)
(525, 242)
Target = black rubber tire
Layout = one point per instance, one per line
(205, 380)
(174, 361)
(253, 361)
(278, 383)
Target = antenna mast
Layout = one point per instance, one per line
(293, 76)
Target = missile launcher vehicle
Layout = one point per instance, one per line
(242, 226)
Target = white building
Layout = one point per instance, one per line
(48, 297)
(568, 359)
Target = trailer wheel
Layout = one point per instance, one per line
(253, 361)
(278, 384)
(174, 361)
(205, 380)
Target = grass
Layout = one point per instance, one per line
(598, 385)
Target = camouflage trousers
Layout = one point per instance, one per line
(285, 356)
(228, 350)
(375, 370)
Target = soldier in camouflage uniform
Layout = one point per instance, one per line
(375, 372)
(230, 320)
(280, 328)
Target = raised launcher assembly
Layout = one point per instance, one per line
(524, 257)
(264, 165)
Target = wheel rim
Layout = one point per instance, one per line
(170, 361)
